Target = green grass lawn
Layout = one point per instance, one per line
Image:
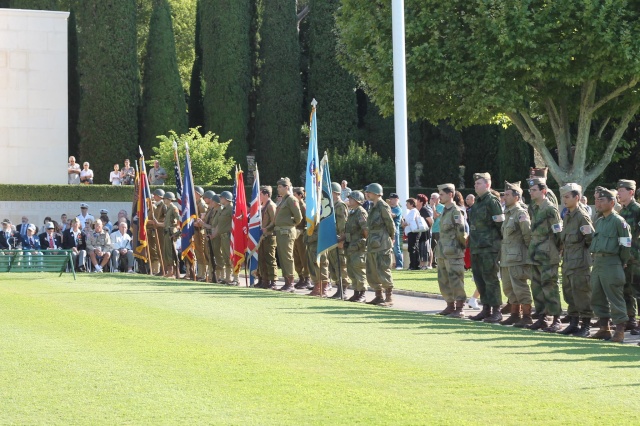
(122, 349)
(426, 281)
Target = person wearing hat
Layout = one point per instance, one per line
(104, 217)
(450, 253)
(379, 243)
(544, 254)
(318, 266)
(354, 243)
(215, 238)
(99, 246)
(171, 234)
(7, 236)
(29, 240)
(223, 229)
(611, 249)
(514, 268)
(288, 215)
(49, 240)
(337, 259)
(541, 172)
(576, 235)
(267, 266)
(205, 223)
(155, 232)
(396, 214)
(299, 247)
(630, 212)
(84, 215)
(485, 221)
(199, 236)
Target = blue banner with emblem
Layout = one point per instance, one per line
(313, 181)
(327, 234)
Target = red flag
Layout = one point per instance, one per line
(142, 207)
(239, 226)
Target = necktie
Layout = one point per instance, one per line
(51, 243)
(31, 242)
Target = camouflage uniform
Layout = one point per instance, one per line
(514, 262)
(379, 245)
(337, 258)
(631, 214)
(450, 254)
(355, 247)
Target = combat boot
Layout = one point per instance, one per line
(632, 324)
(288, 285)
(459, 311)
(388, 300)
(358, 297)
(271, 285)
(340, 294)
(572, 327)
(514, 317)
(506, 308)
(618, 335)
(376, 300)
(566, 319)
(446, 311)
(496, 315)
(635, 331)
(484, 313)
(585, 329)
(262, 283)
(605, 331)
(541, 322)
(526, 320)
(554, 326)
(300, 284)
(309, 286)
(316, 291)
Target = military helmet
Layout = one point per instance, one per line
(159, 192)
(226, 195)
(357, 196)
(198, 190)
(216, 198)
(169, 196)
(374, 188)
(209, 195)
(335, 187)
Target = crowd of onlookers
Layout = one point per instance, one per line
(125, 176)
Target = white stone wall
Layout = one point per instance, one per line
(33, 96)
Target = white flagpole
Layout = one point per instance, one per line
(400, 100)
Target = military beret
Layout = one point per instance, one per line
(538, 172)
(84, 206)
(515, 186)
(570, 187)
(485, 176)
(284, 181)
(605, 193)
(449, 186)
(104, 211)
(198, 190)
(625, 183)
(537, 181)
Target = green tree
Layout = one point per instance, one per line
(36, 4)
(196, 88)
(279, 98)
(563, 72)
(208, 161)
(108, 117)
(226, 69)
(514, 156)
(360, 165)
(163, 103)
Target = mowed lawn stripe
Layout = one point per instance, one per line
(135, 349)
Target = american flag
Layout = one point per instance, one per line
(178, 175)
(255, 226)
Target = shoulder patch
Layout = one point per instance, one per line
(523, 217)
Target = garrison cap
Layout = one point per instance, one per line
(169, 196)
(84, 206)
(449, 186)
(626, 183)
(538, 172)
(199, 190)
(284, 181)
(570, 187)
(159, 192)
(599, 188)
(606, 193)
(209, 195)
(335, 187)
(537, 181)
(515, 186)
(104, 211)
(485, 176)
(266, 189)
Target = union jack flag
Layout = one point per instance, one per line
(255, 226)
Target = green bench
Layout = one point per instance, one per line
(37, 261)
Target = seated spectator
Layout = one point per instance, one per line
(106, 223)
(99, 247)
(88, 228)
(73, 239)
(127, 174)
(157, 174)
(49, 240)
(121, 245)
(86, 175)
(8, 240)
(122, 214)
(114, 176)
(43, 228)
(30, 241)
(73, 169)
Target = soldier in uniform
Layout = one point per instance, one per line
(354, 243)
(288, 215)
(267, 268)
(225, 218)
(171, 234)
(216, 241)
(544, 254)
(337, 259)
(99, 246)
(299, 248)
(576, 235)
(611, 245)
(199, 237)
(379, 246)
(155, 232)
(630, 212)
(514, 262)
(206, 224)
(450, 253)
(485, 220)
(319, 268)
(542, 173)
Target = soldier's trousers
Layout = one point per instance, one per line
(319, 271)
(607, 287)
(209, 253)
(632, 288)
(300, 256)
(285, 237)
(267, 258)
(338, 263)
(356, 269)
(379, 269)
(169, 253)
(514, 284)
(225, 249)
(576, 290)
(155, 249)
(451, 279)
(201, 257)
(545, 289)
(484, 267)
(217, 254)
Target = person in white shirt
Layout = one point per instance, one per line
(84, 215)
(410, 225)
(73, 170)
(86, 175)
(114, 176)
(121, 244)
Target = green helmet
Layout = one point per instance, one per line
(216, 198)
(198, 190)
(335, 187)
(159, 192)
(209, 195)
(169, 196)
(357, 196)
(226, 195)
(375, 188)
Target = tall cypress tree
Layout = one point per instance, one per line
(35, 4)
(109, 83)
(73, 84)
(163, 103)
(278, 118)
(196, 88)
(226, 69)
(330, 84)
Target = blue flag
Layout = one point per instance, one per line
(312, 183)
(327, 229)
(189, 210)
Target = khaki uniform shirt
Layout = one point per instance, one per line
(99, 240)
(576, 237)
(269, 217)
(224, 219)
(215, 219)
(288, 212)
(381, 227)
(201, 206)
(546, 226)
(303, 210)
(452, 241)
(355, 228)
(341, 210)
(171, 220)
(516, 236)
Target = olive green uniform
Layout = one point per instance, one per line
(288, 215)
(319, 269)
(337, 258)
(267, 249)
(224, 231)
(607, 276)
(379, 245)
(209, 252)
(514, 262)
(576, 237)
(171, 233)
(199, 242)
(485, 220)
(631, 214)
(156, 236)
(299, 247)
(355, 247)
(544, 255)
(450, 254)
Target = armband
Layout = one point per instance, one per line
(625, 241)
(556, 227)
(498, 218)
